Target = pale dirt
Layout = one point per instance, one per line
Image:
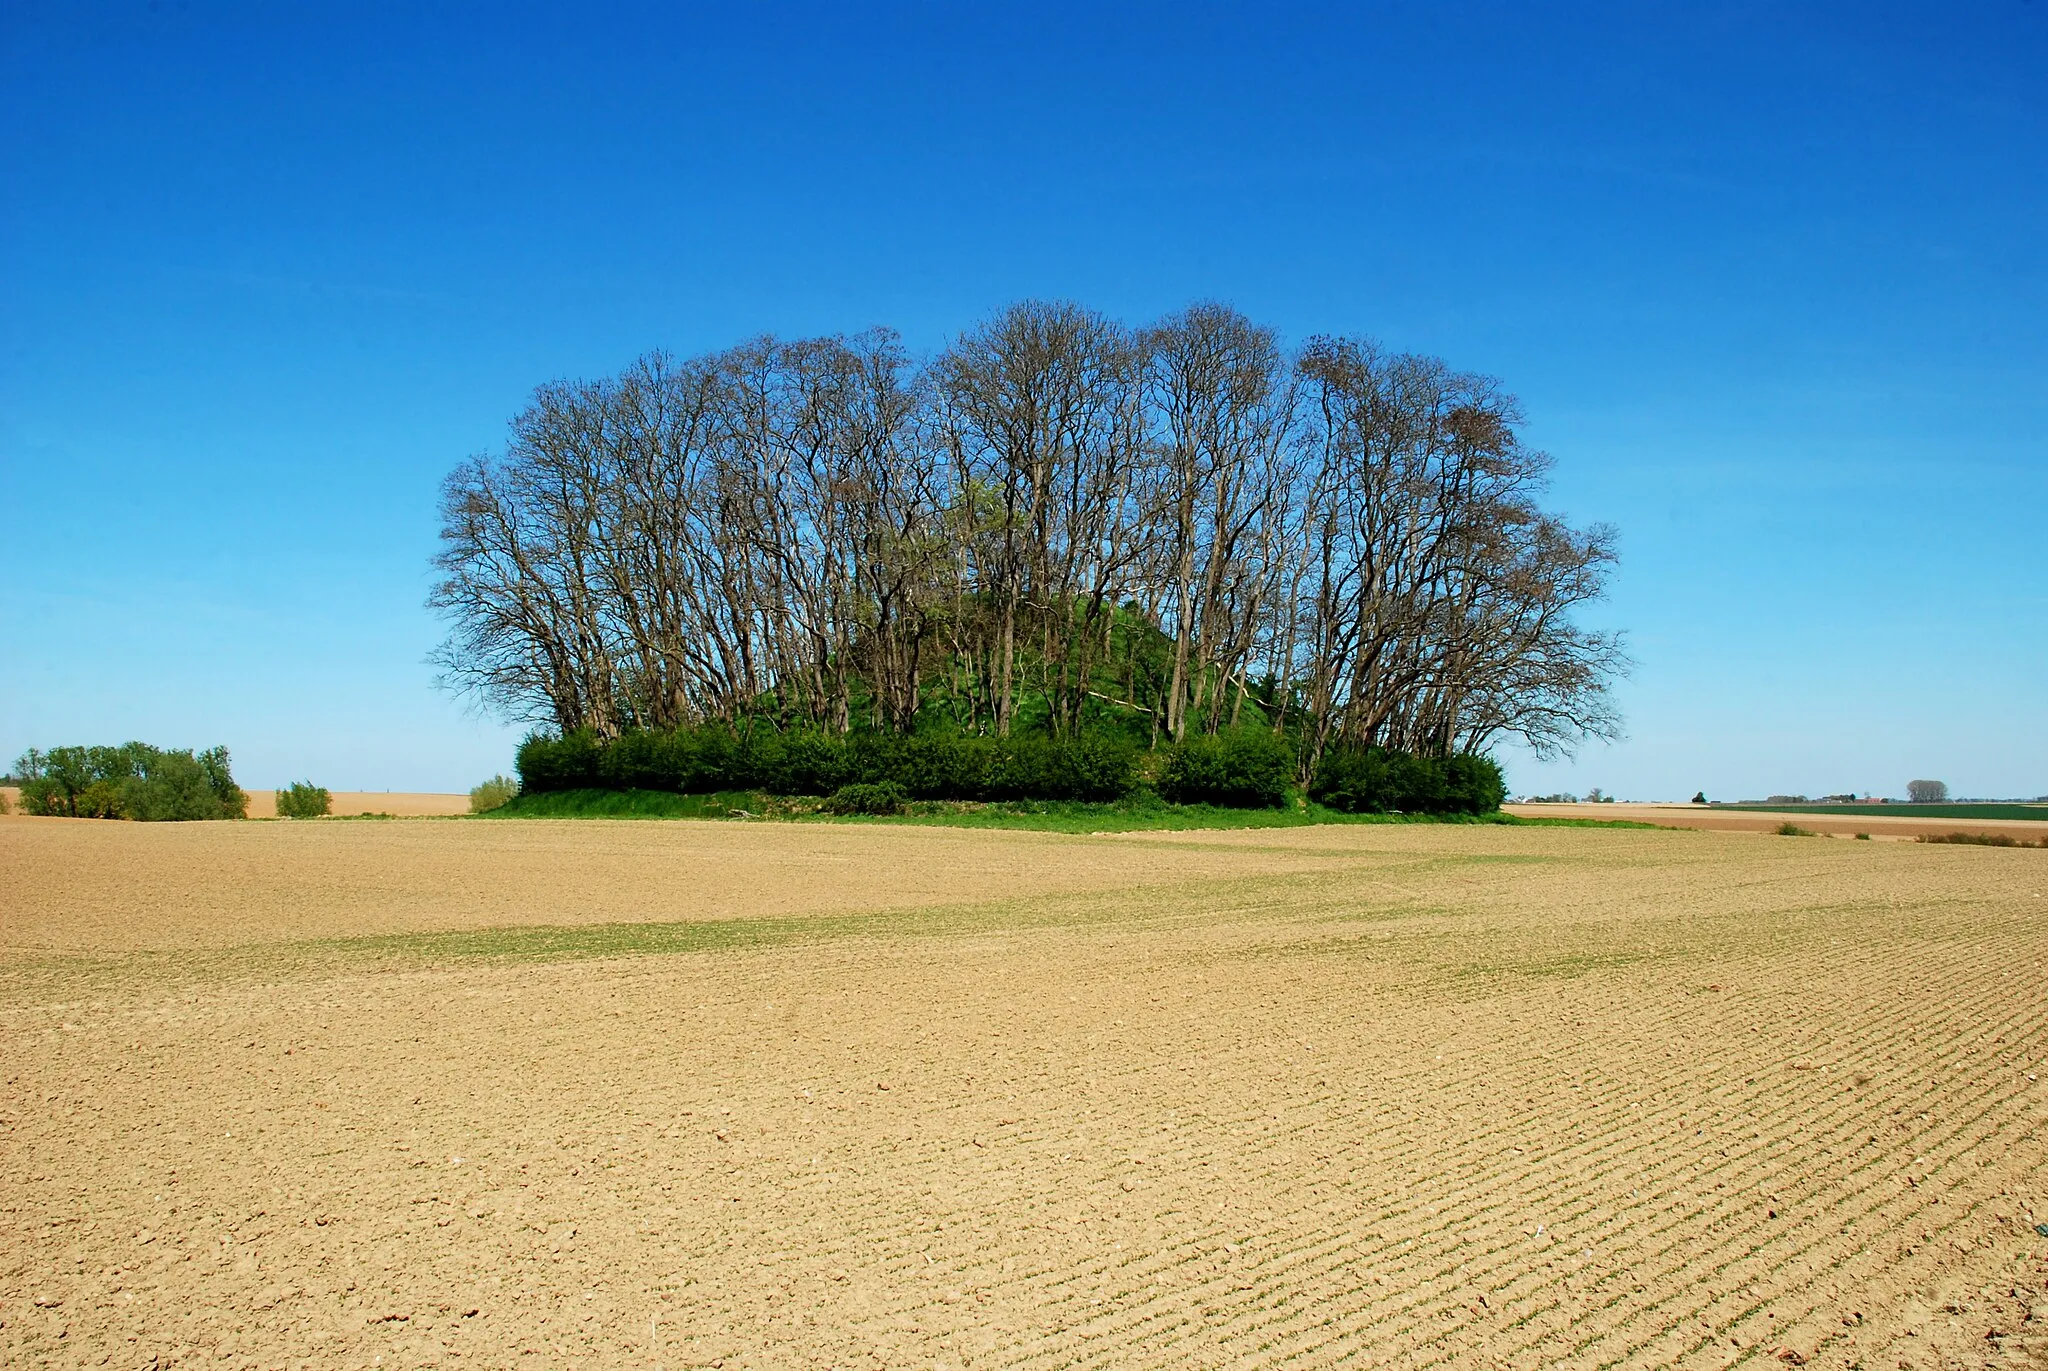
(85, 885)
(399, 804)
(1904, 825)
(1366, 1095)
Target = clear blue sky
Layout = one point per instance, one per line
(1770, 281)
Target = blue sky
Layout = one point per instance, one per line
(1769, 280)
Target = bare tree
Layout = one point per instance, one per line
(1927, 792)
(1056, 519)
(1036, 405)
(1225, 406)
(1439, 604)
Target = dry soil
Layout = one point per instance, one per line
(396, 803)
(669, 1094)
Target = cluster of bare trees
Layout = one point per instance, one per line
(1057, 520)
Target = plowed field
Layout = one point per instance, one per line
(670, 1094)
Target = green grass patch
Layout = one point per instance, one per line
(2036, 812)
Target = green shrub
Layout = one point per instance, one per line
(495, 793)
(569, 762)
(101, 800)
(133, 781)
(1473, 784)
(1376, 781)
(1248, 768)
(303, 800)
(1978, 839)
(805, 763)
(864, 797)
(645, 761)
(1788, 829)
(801, 762)
(1098, 767)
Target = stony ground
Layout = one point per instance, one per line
(448, 1093)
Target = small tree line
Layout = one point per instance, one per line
(1057, 523)
(131, 781)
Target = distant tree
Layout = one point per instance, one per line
(132, 781)
(495, 793)
(1927, 792)
(1699, 797)
(303, 800)
(1596, 796)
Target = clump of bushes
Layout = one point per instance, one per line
(303, 800)
(1248, 768)
(1979, 839)
(495, 793)
(880, 797)
(132, 781)
(714, 758)
(1372, 780)
(1788, 829)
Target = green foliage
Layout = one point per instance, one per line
(303, 800)
(133, 781)
(879, 798)
(1792, 830)
(100, 800)
(1978, 839)
(643, 804)
(1246, 768)
(495, 793)
(2013, 810)
(716, 758)
(569, 762)
(1376, 781)
(1141, 811)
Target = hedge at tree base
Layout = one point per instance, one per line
(1238, 769)
(1374, 781)
(706, 760)
(1246, 768)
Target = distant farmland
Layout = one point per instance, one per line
(1908, 811)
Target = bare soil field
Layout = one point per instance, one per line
(590, 1094)
(1878, 826)
(400, 804)
(397, 803)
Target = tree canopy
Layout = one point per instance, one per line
(1058, 522)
